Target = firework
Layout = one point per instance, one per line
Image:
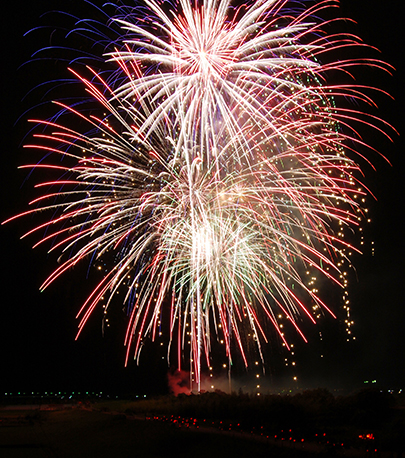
(220, 172)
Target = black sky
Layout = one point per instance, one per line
(37, 348)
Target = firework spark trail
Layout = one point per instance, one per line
(218, 174)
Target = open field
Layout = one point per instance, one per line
(212, 425)
(84, 433)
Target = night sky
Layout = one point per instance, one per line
(38, 351)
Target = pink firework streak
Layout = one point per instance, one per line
(219, 171)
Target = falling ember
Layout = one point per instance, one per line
(218, 177)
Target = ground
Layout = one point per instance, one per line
(77, 432)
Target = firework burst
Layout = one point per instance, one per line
(217, 174)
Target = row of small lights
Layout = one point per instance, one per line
(93, 393)
(284, 435)
(65, 393)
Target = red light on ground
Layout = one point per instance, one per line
(366, 436)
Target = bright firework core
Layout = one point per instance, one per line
(217, 173)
